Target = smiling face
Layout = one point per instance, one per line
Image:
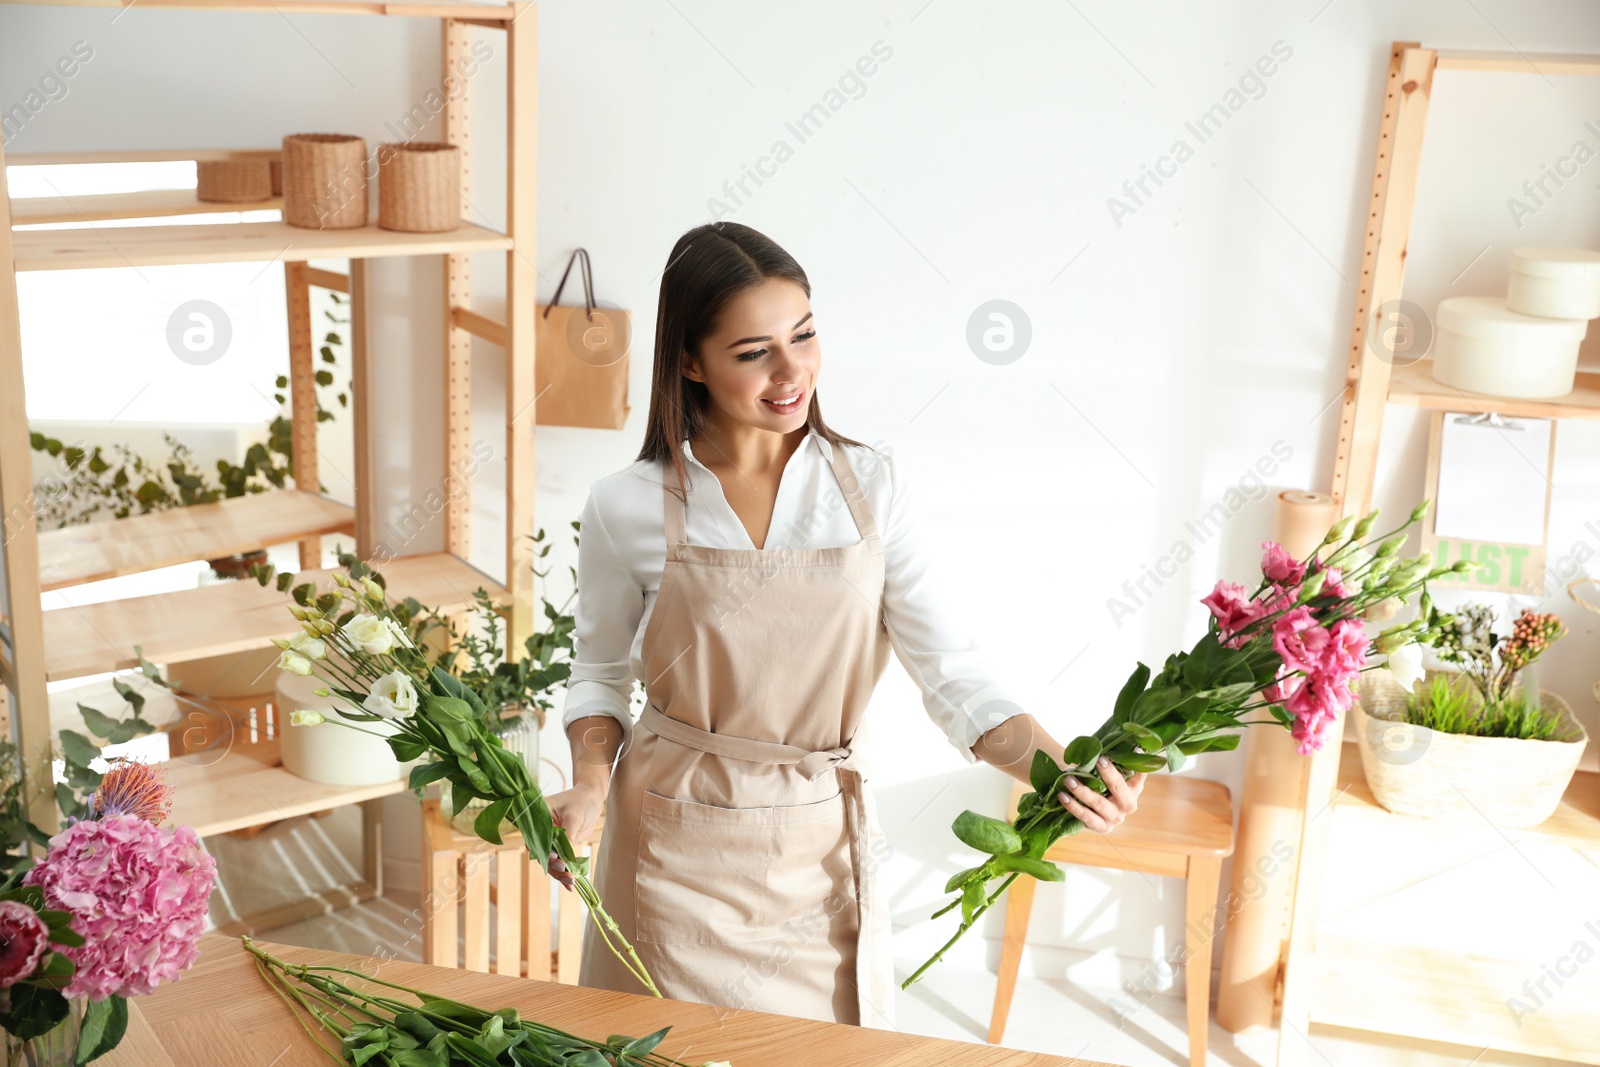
(761, 361)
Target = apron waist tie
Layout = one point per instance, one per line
(812, 765)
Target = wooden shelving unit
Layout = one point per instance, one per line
(246, 789)
(1372, 982)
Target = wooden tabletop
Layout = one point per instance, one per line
(222, 1012)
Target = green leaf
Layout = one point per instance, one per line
(426, 774)
(104, 1023)
(487, 824)
(971, 898)
(1155, 702)
(1082, 752)
(1140, 761)
(1043, 870)
(1044, 772)
(1130, 690)
(643, 1046)
(986, 834)
(130, 694)
(406, 749)
(531, 816)
(1201, 664)
(78, 749)
(1175, 758)
(1148, 739)
(959, 879)
(34, 1010)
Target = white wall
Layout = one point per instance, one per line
(1172, 347)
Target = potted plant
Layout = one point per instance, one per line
(1478, 742)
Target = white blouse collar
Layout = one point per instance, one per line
(822, 443)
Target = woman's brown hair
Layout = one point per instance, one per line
(709, 266)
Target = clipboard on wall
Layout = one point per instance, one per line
(1489, 479)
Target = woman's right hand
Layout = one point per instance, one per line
(577, 811)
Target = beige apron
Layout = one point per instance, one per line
(742, 855)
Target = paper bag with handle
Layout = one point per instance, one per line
(581, 360)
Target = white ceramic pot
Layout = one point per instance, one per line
(1484, 347)
(1555, 283)
(331, 753)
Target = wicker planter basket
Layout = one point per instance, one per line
(277, 176)
(233, 181)
(324, 181)
(1413, 770)
(419, 187)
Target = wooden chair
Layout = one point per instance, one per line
(1183, 829)
(465, 874)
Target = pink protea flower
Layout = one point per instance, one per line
(138, 895)
(1279, 566)
(24, 938)
(131, 788)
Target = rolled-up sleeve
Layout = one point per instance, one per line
(961, 695)
(609, 606)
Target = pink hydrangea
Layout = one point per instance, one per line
(1279, 566)
(138, 895)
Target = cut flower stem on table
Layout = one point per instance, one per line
(1291, 650)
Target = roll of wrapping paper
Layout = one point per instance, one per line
(1268, 843)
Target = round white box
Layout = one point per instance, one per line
(1554, 283)
(1484, 347)
(331, 753)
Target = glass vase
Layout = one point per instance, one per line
(519, 733)
(57, 1047)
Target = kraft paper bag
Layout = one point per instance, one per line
(581, 360)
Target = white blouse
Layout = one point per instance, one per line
(622, 550)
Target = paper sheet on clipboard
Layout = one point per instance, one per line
(1493, 481)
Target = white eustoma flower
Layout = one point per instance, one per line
(306, 717)
(294, 663)
(392, 696)
(401, 638)
(1405, 663)
(308, 646)
(371, 634)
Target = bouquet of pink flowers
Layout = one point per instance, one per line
(1298, 641)
(115, 907)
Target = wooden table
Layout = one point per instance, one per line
(222, 1012)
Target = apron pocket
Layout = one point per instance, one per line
(713, 875)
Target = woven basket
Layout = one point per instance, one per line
(1413, 770)
(277, 176)
(324, 181)
(419, 187)
(233, 181)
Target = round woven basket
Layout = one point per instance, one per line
(419, 187)
(1413, 770)
(324, 181)
(233, 181)
(277, 176)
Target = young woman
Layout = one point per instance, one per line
(754, 568)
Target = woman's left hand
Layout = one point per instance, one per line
(1103, 812)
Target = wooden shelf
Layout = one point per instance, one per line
(93, 551)
(1414, 385)
(1575, 822)
(240, 242)
(146, 204)
(231, 617)
(436, 9)
(245, 789)
(1518, 63)
(142, 155)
